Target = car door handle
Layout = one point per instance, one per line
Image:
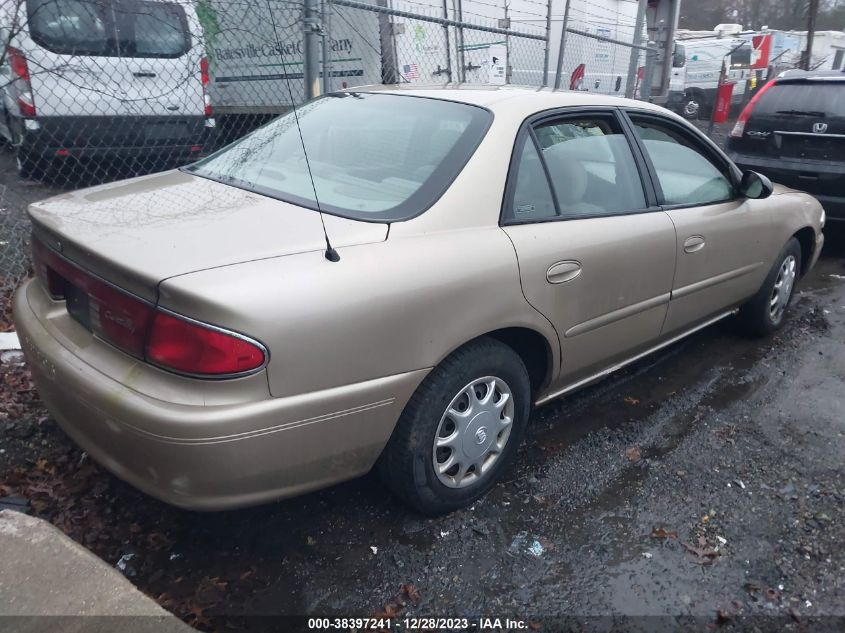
(694, 243)
(562, 272)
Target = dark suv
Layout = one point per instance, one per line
(793, 130)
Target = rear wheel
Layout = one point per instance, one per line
(691, 106)
(30, 167)
(460, 430)
(764, 312)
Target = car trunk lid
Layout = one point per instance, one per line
(136, 233)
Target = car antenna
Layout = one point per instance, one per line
(330, 253)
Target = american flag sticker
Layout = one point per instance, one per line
(410, 71)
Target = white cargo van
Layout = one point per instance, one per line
(696, 66)
(89, 78)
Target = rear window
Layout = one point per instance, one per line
(817, 97)
(373, 156)
(115, 28)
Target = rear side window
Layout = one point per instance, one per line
(115, 28)
(803, 98)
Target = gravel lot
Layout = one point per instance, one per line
(702, 486)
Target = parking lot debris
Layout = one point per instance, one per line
(705, 554)
(633, 453)
(663, 533)
(535, 546)
(408, 594)
(9, 341)
(14, 502)
(123, 564)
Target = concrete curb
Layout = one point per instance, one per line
(49, 582)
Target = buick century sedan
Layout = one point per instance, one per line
(393, 281)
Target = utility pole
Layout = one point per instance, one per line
(311, 45)
(635, 52)
(559, 70)
(807, 53)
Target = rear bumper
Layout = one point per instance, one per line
(205, 457)
(817, 180)
(100, 136)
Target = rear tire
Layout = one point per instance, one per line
(764, 312)
(30, 167)
(692, 106)
(460, 430)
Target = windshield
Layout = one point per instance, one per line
(116, 28)
(373, 156)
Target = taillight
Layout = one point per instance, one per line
(20, 72)
(195, 348)
(112, 314)
(139, 328)
(739, 129)
(204, 78)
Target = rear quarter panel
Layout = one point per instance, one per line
(383, 309)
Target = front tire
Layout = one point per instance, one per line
(460, 430)
(764, 312)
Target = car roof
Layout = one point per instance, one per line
(798, 75)
(520, 100)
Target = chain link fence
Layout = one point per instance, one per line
(93, 91)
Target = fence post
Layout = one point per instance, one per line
(648, 73)
(387, 42)
(311, 48)
(548, 43)
(326, 16)
(446, 39)
(459, 16)
(559, 70)
(635, 52)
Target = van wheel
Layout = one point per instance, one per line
(30, 167)
(691, 106)
(763, 313)
(461, 429)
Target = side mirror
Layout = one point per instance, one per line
(755, 186)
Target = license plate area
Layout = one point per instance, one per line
(78, 305)
(157, 132)
(814, 148)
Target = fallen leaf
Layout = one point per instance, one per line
(663, 533)
(632, 401)
(633, 453)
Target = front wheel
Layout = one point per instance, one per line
(460, 430)
(764, 312)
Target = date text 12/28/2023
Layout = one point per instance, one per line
(419, 624)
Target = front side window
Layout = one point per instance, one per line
(687, 176)
(591, 166)
(372, 156)
(110, 28)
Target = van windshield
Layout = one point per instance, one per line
(373, 156)
(112, 28)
